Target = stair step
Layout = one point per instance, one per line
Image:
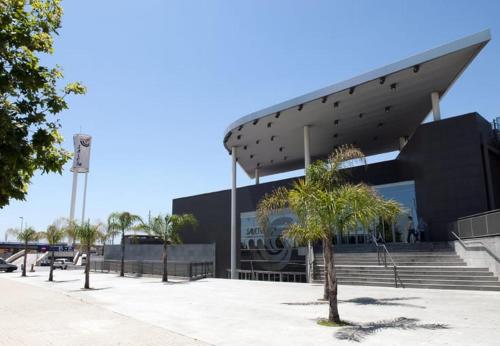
(414, 273)
(428, 286)
(412, 268)
(393, 254)
(422, 281)
(404, 264)
(420, 277)
(421, 265)
(391, 249)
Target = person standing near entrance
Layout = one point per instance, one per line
(411, 230)
(422, 228)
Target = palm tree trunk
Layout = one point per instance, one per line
(25, 258)
(87, 269)
(122, 267)
(165, 269)
(51, 272)
(325, 288)
(333, 315)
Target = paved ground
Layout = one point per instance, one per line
(33, 316)
(223, 312)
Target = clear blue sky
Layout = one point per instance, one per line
(165, 78)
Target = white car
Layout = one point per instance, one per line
(61, 263)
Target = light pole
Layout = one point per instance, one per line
(22, 219)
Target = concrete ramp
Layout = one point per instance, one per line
(31, 259)
(41, 257)
(15, 256)
(77, 257)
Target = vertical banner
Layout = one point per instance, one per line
(81, 158)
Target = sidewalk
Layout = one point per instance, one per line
(226, 312)
(33, 316)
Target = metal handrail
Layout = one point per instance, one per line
(387, 253)
(468, 246)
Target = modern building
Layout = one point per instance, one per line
(445, 169)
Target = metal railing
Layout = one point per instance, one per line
(190, 270)
(264, 275)
(477, 225)
(382, 254)
(472, 247)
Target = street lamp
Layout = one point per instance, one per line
(22, 219)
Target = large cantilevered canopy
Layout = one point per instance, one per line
(372, 111)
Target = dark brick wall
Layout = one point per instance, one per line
(446, 161)
(444, 158)
(213, 210)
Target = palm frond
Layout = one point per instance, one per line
(271, 204)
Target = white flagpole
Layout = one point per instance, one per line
(84, 197)
(73, 195)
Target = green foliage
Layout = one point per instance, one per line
(29, 95)
(122, 221)
(54, 234)
(69, 227)
(27, 235)
(325, 203)
(167, 227)
(88, 234)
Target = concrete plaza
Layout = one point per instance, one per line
(144, 311)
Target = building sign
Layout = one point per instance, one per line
(81, 158)
(266, 250)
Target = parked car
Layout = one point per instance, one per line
(45, 262)
(61, 263)
(7, 267)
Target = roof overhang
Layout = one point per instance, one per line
(372, 111)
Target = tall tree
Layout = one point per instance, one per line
(88, 235)
(167, 229)
(26, 235)
(326, 205)
(329, 175)
(54, 235)
(70, 228)
(29, 96)
(123, 221)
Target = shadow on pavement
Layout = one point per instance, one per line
(91, 289)
(63, 281)
(319, 302)
(365, 301)
(359, 332)
(176, 282)
(383, 301)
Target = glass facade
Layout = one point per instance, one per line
(270, 251)
(402, 192)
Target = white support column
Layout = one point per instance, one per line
(84, 197)
(73, 196)
(234, 274)
(257, 177)
(307, 151)
(436, 111)
(307, 162)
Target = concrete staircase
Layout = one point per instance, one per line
(421, 265)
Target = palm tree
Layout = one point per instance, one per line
(332, 174)
(167, 229)
(325, 205)
(54, 235)
(88, 235)
(70, 228)
(122, 222)
(26, 235)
